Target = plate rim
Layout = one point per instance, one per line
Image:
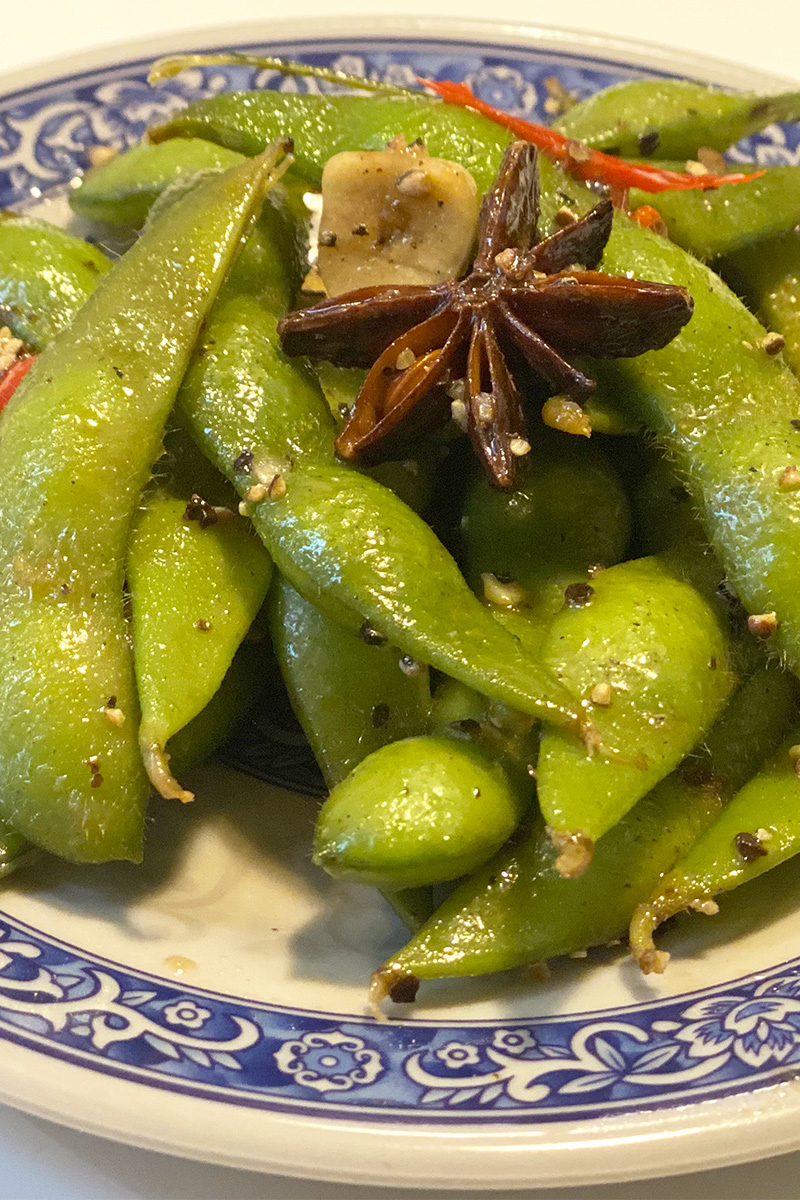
(632, 51)
(517, 1150)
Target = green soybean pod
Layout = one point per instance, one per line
(420, 811)
(45, 277)
(518, 909)
(186, 633)
(122, 190)
(649, 656)
(346, 687)
(672, 117)
(322, 126)
(77, 442)
(768, 276)
(568, 513)
(758, 830)
(723, 220)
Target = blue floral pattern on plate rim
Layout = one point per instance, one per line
(67, 1003)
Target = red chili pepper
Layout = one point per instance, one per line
(649, 218)
(580, 160)
(11, 379)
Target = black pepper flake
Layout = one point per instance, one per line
(504, 578)
(203, 625)
(578, 594)
(404, 991)
(359, 230)
(749, 847)
(111, 702)
(244, 462)
(327, 237)
(201, 511)
(379, 716)
(97, 780)
(648, 142)
(795, 422)
(372, 636)
(117, 372)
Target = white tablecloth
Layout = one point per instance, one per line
(39, 1161)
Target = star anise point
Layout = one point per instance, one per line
(525, 305)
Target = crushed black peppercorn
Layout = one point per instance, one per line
(201, 511)
(379, 716)
(243, 464)
(578, 594)
(372, 636)
(404, 991)
(749, 847)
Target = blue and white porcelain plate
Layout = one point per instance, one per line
(212, 1002)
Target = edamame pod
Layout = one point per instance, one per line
(45, 277)
(672, 118)
(186, 634)
(518, 909)
(758, 830)
(122, 190)
(768, 276)
(420, 811)
(568, 513)
(346, 688)
(650, 656)
(77, 442)
(730, 432)
(720, 221)
(344, 541)
(322, 126)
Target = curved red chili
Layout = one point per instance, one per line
(580, 160)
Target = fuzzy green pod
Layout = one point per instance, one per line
(186, 634)
(322, 126)
(723, 220)
(672, 118)
(122, 190)
(46, 275)
(77, 443)
(419, 811)
(649, 657)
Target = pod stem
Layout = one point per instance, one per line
(167, 68)
(156, 763)
(575, 851)
(391, 982)
(651, 914)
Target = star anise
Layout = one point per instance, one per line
(525, 305)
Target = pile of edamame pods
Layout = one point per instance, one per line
(543, 713)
